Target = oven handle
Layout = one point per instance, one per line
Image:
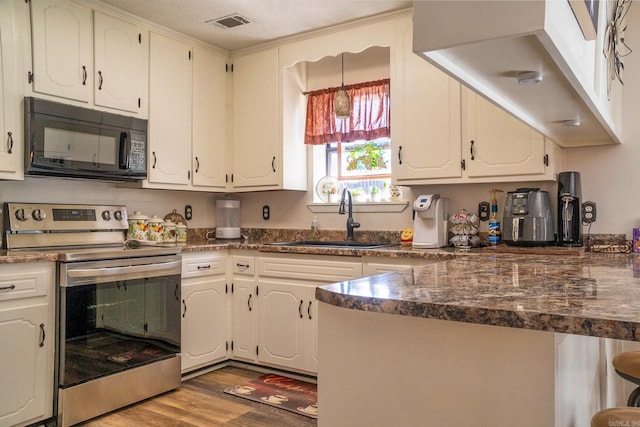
(123, 273)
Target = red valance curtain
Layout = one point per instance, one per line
(369, 117)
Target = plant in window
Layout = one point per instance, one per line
(376, 194)
(359, 195)
(366, 156)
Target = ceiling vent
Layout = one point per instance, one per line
(229, 21)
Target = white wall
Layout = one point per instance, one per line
(607, 175)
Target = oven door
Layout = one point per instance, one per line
(116, 315)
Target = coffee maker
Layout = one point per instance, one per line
(429, 223)
(569, 209)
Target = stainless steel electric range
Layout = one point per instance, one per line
(117, 306)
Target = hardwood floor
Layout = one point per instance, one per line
(201, 401)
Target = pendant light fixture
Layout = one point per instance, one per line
(342, 104)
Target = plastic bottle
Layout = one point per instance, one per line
(494, 224)
(314, 228)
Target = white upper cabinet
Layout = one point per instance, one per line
(102, 61)
(425, 116)
(169, 137)
(209, 120)
(62, 49)
(187, 116)
(497, 144)
(256, 154)
(13, 15)
(121, 64)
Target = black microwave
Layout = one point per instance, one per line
(74, 142)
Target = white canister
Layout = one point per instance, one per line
(156, 229)
(169, 232)
(181, 233)
(138, 226)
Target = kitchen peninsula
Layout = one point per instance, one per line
(474, 341)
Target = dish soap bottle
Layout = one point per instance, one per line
(494, 224)
(314, 229)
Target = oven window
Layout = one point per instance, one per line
(114, 326)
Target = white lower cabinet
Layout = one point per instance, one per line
(27, 334)
(287, 308)
(286, 334)
(244, 307)
(264, 311)
(205, 323)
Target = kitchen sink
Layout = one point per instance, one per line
(333, 244)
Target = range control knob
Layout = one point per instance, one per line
(21, 215)
(117, 215)
(106, 215)
(38, 215)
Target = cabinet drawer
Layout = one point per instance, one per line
(309, 269)
(203, 265)
(25, 281)
(243, 264)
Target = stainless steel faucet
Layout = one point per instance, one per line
(350, 223)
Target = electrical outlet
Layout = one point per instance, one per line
(483, 211)
(266, 212)
(188, 212)
(588, 212)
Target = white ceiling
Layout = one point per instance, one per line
(270, 19)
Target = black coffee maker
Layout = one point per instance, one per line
(569, 209)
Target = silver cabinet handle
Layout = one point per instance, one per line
(300, 309)
(242, 265)
(84, 75)
(204, 267)
(184, 304)
(197, 164)
(100, 80)
(249, 303)
(7, 288)
(309, 309)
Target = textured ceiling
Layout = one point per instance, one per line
(270, 19)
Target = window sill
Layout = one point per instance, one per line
(379, 207)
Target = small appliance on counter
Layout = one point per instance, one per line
(227, 219)
(569, 209)
(527, 219)
(429, 222)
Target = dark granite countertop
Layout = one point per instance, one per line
(548, 289)
(593, 294)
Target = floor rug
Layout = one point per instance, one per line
(282, 392)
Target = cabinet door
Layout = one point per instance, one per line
(256, 158)
(121, 58)
(311, 330)
(10, 93)
(281, 337)
(498, 144)
(244, 307)
(204, 321)
(209, 119)
(426, 117)
(62, 49)
(27, 342)
(169, 136)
